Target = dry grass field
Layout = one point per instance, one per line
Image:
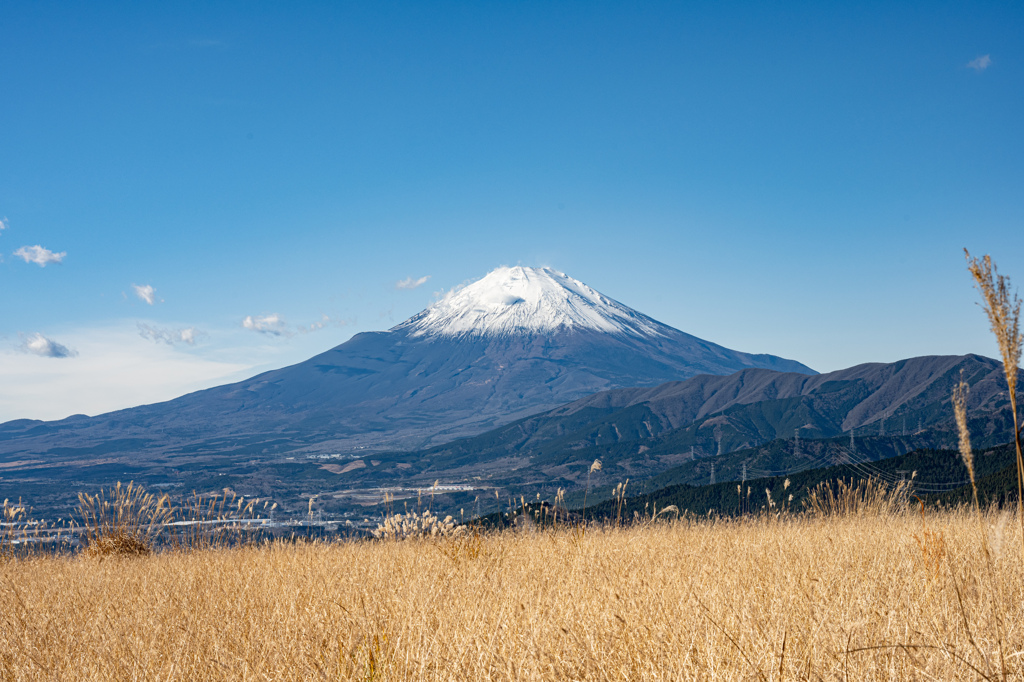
(860, 597)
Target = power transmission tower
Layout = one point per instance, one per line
(712, 473)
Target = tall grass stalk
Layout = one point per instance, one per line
(619, 494)
(960, 392)
(596, 466)
(959, 399)
(1003, 310)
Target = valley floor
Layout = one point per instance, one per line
(904, 596)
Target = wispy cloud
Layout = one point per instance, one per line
(316, 326)
(40, 256)
(410, 283)
(145, 293)
(275, 325)
(187, 335)
(4, 224)
(980, 63)
(272, 324)
(37, 344)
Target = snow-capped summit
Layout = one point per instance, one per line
(522, 300)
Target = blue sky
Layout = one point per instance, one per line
(791, 178)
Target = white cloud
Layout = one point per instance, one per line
(980, 63)
(272, 324)
(410, 283)
(4, 223)
(37, 344)
(38, 255)
(145, 293)
(187, 335)
(118, 369)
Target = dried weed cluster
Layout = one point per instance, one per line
(857, 498)
(12, 521)
(876, 596)
(127, 520)
(124, 520)
(416, 525)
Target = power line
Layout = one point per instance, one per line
(924, 486)
(863, 466)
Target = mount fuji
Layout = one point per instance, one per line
(519, 341)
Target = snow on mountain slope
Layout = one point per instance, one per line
(522, 300)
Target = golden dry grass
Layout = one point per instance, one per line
(862, 597)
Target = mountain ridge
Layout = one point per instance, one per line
(725, 413)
